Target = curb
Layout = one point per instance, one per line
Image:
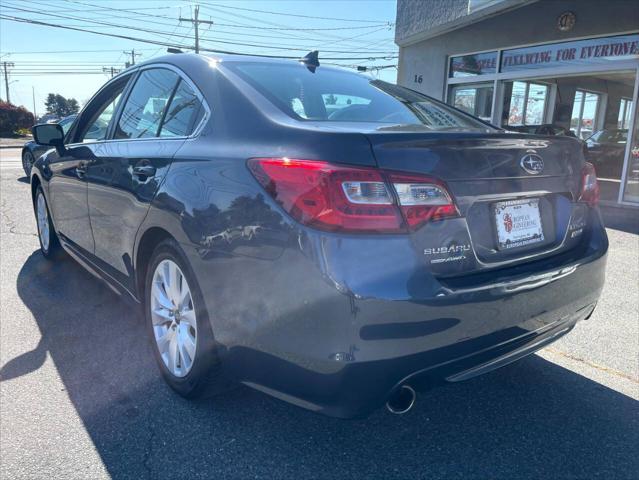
(10, 146)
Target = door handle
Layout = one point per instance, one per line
(145, 171)
(81, 169)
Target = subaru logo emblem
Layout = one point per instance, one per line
(532, 163)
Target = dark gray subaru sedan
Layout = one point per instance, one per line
(327, 238)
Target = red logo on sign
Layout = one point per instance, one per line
(508, 222)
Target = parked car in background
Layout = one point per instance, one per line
(605, 149)
(48, 118)
(337, 255)
(31, 150)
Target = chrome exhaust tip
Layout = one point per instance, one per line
(402, 400)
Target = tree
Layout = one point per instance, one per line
(58, 105)
(13, 118)
(73, 106)
(331, 99)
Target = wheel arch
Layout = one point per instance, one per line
(35, 183)
(150, 239)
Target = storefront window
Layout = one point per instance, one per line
(584, 113)
(579, 88)
(474, 99)
(526, 103)
(471, 65)
(625, 109)
(631, 191)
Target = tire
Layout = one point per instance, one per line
(27, 162)
(190, 377)
(49, 242)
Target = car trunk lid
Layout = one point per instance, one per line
(515, 194)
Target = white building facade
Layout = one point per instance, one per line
(540, 66)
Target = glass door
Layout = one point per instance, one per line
(584, 113)
(631, 190)
(475, 99)
(525, 105)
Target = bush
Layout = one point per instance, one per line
(23, 132)
(13, 118)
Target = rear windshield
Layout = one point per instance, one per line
(336, 96)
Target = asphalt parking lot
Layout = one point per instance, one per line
(80, 396)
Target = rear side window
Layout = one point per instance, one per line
(144, 109)
(340, 96)
(184, 114)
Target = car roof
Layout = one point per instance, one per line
(187, 60)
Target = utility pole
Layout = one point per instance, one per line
(35, 115)
(111, 70)
(196, 23)
(133, 55)
(6, 66)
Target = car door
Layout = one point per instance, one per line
(159, 113)
(68, 184)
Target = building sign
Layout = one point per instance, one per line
(470, 65)
(569, 54)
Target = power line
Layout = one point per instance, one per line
(170, 36)
(261, 21)
(132, 10)
(290, 14)
(305, 39)
(280, 27)
(167, 44)
(70, 51)
(195, 21)
(156, 32)
(317, 43)
(206, 4)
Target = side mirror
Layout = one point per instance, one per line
(49, 134)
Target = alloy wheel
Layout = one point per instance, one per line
(27, 162)
(42, 217)
(173, 317)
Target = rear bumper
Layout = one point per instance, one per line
(358, 388)
(295, 327)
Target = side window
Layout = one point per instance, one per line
(100, 114)
(184, 113)
(144, 109)
(98, 128)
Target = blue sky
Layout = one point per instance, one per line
(339, 29)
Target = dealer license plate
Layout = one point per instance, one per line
(518, 223)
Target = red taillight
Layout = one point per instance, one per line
(339, 198)
(422, 199)
(589, 185)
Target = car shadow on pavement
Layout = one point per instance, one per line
(531, 419)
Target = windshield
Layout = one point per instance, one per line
(336, 96)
